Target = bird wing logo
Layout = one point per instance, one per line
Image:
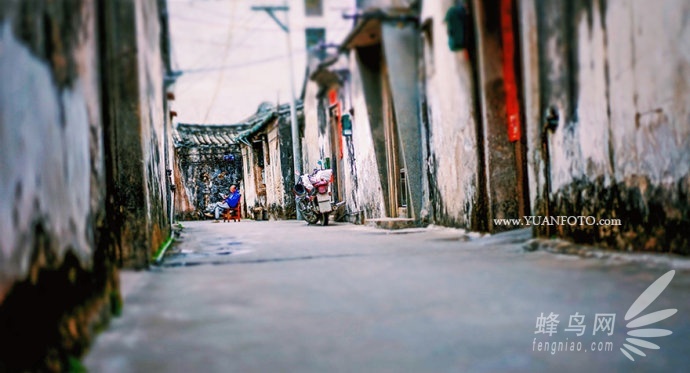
(638, 328)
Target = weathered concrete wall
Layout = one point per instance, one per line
(151, 72)
(452, 163)
(370, 87)
(57, 282)
(125, 207)
(250, 197)
(529, 74)
(617, 73)
(400, 45)
(184, 207)
(275, 183)
(364, 196)
(268, 188)
(253, 198)
(315, 141)
(82, 154)
(287, 164)
(135, 128)
(501, 164)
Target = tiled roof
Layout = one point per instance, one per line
(201, 135)
(264, 115)
(227, 135)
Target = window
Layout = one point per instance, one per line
(313, 8)
(315, 36)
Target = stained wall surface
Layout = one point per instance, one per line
(616, 75)
(81, 117)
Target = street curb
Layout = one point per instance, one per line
(563, 247)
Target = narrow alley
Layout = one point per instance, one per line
(344, 185)
(285, 296)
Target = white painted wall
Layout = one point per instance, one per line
(369, 195)
(452, 129)
(152, 115)
(649, 59)
(314, 146)
(275, 190)
(528, 44)
(248, 187)
(50, 164)
(626, 152)
(647, 90)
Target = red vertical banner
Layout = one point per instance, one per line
(332, 96)
(340, 131)
(334, 103)
(509, 83)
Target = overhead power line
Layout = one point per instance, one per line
(226, 49)
(239, 65)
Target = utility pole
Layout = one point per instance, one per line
(294, 126)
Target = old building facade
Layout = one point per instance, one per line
(268, 164)
(207, 162)
(466, 112)
(254, 154)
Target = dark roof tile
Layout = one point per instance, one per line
(227, 135)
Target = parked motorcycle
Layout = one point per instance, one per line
(313, 197)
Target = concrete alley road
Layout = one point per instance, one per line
(281, 296)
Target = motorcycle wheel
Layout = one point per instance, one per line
(324, 219)
(307, 214)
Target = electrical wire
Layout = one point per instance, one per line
(215, 18)
(244, 21)
(219, 82)
(239, 65)
(203, 20)
(205, 57)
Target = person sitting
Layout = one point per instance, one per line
(231, 201)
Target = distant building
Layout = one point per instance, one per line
(255, 155)
(266, 147)
(317, 27)
(208, 162)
